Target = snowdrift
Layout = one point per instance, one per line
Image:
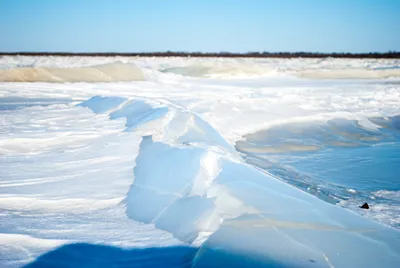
(351, 74)
(102, 73)
(222, 69)
(190, 182)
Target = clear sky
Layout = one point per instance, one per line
(199, 25)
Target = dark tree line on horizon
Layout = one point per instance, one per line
(372, 55)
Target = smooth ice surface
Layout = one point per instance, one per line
(341, 161)
(211, 152)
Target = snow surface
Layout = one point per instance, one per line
(153, 163)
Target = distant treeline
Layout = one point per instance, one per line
(372, 55)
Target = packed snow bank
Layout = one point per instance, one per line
(315, 70)
(58, 69)
(221, 69)
(102, 73)
(162, 121)
(351, 73)
(198, 186)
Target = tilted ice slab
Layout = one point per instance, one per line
(189, 181)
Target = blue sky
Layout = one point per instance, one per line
(199, 25)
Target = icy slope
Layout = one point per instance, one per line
(200, 187)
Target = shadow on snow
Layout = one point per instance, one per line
(90, 255)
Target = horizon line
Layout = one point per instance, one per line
(253, 54)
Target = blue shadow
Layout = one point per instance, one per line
(90, 255)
